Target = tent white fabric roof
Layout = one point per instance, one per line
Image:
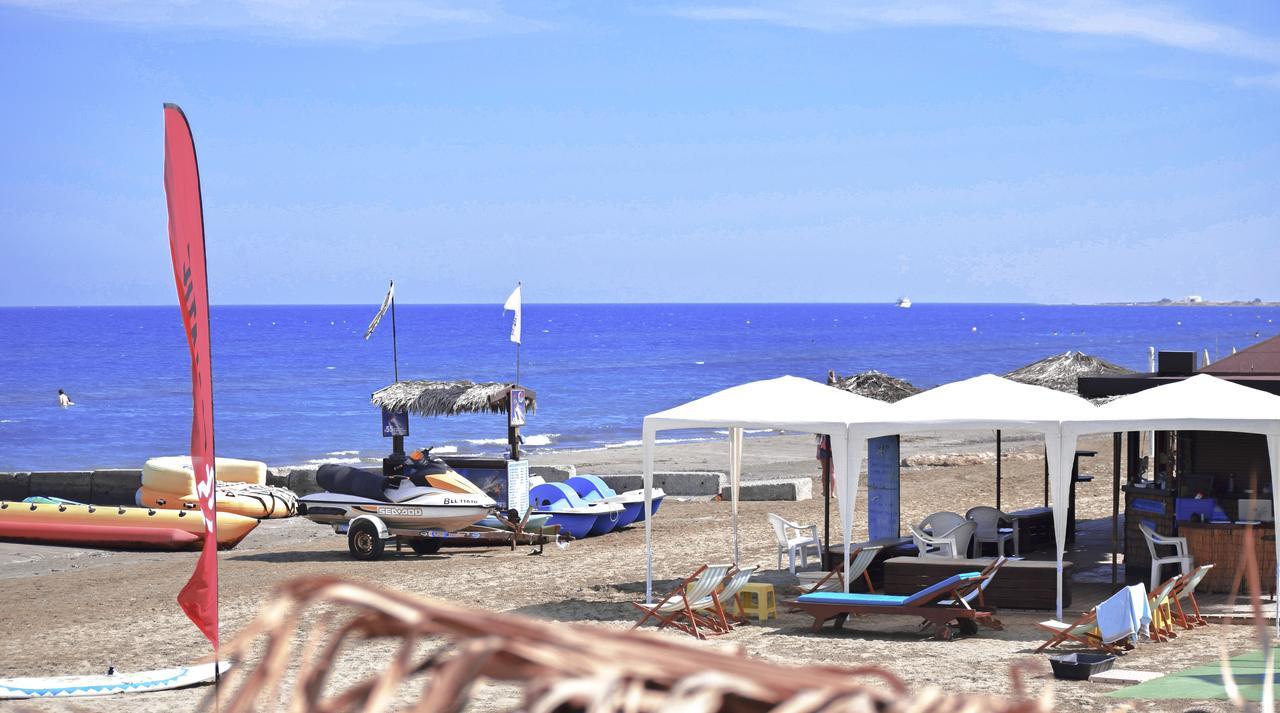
(1199, 403)
(983, 402)
(785, 403)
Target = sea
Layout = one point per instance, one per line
(292, 384)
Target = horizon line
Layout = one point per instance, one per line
(1111, 303)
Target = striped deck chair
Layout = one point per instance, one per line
(690, 604)
(1084, 631)
(833, 581)
(1162, 612)
(988, 573)
(1187, 590)
(729, 599)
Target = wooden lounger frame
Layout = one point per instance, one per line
(966, 617)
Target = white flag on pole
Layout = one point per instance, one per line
(513, 304)
(386, 302)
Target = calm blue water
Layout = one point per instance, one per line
(292, 384)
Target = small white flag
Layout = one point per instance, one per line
(386, 302)
(513, 304)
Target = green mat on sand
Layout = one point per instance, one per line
(1204, 682)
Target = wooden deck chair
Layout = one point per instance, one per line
(1187, 590)
(833, 581)
(1084, 631)
(988, 573)
(1162, 611)
(690, 603)
(729, 599)
(839, 606)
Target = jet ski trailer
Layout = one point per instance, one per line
(427, 507)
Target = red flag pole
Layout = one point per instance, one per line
(199, 598)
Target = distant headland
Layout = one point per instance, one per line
(1196, 301)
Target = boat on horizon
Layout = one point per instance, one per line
(904, 302)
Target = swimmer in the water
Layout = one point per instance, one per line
(64, 400)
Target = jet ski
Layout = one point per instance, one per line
(429, 496)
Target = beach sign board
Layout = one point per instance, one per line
(394, 423)
(515, 408)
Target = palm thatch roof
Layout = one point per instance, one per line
(1062, 371)
(448, 398)
(876, 385)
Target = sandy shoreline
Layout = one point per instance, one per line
(72, 611)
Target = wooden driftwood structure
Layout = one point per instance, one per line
(556, 667)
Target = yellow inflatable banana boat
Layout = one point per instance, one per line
(258, 502)
(99, 526)
(173, 474)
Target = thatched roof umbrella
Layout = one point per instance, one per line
(874, 384)
(1060, 372)
(1063, 371)
(448, 398)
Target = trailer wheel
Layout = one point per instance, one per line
(426, 545)
(364, 542)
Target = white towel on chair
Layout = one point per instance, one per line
(1141, 609)
(1116, 620)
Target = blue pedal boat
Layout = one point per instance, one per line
(593, 489)
(573, 515)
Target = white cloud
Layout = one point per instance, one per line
(1270, 81)
(1164, 26)
(378, 21)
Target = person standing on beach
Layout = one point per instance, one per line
(64, 400)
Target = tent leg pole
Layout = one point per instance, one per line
(1046, 477)
(825, 460)
(998, 474)
(1115, 505)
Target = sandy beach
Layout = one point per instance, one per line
(74, 611)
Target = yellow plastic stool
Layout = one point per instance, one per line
(757, 598)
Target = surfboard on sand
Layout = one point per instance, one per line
(104, 685)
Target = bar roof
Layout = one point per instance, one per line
(1261, 359)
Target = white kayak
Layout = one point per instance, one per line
(107, 684)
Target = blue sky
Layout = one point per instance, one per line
(679, 151)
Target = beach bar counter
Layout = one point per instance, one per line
(1212, 488)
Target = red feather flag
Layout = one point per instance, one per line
(199, 598)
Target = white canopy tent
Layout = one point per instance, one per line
(994, 402)
(785, 403)
(1199, 403)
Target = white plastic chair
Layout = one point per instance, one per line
(953, 544)
(940, 523)
(1181, 556)
(799, 544)
(989, 520)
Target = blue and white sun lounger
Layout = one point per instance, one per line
(941, 604)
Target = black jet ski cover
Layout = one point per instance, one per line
(351, 481)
